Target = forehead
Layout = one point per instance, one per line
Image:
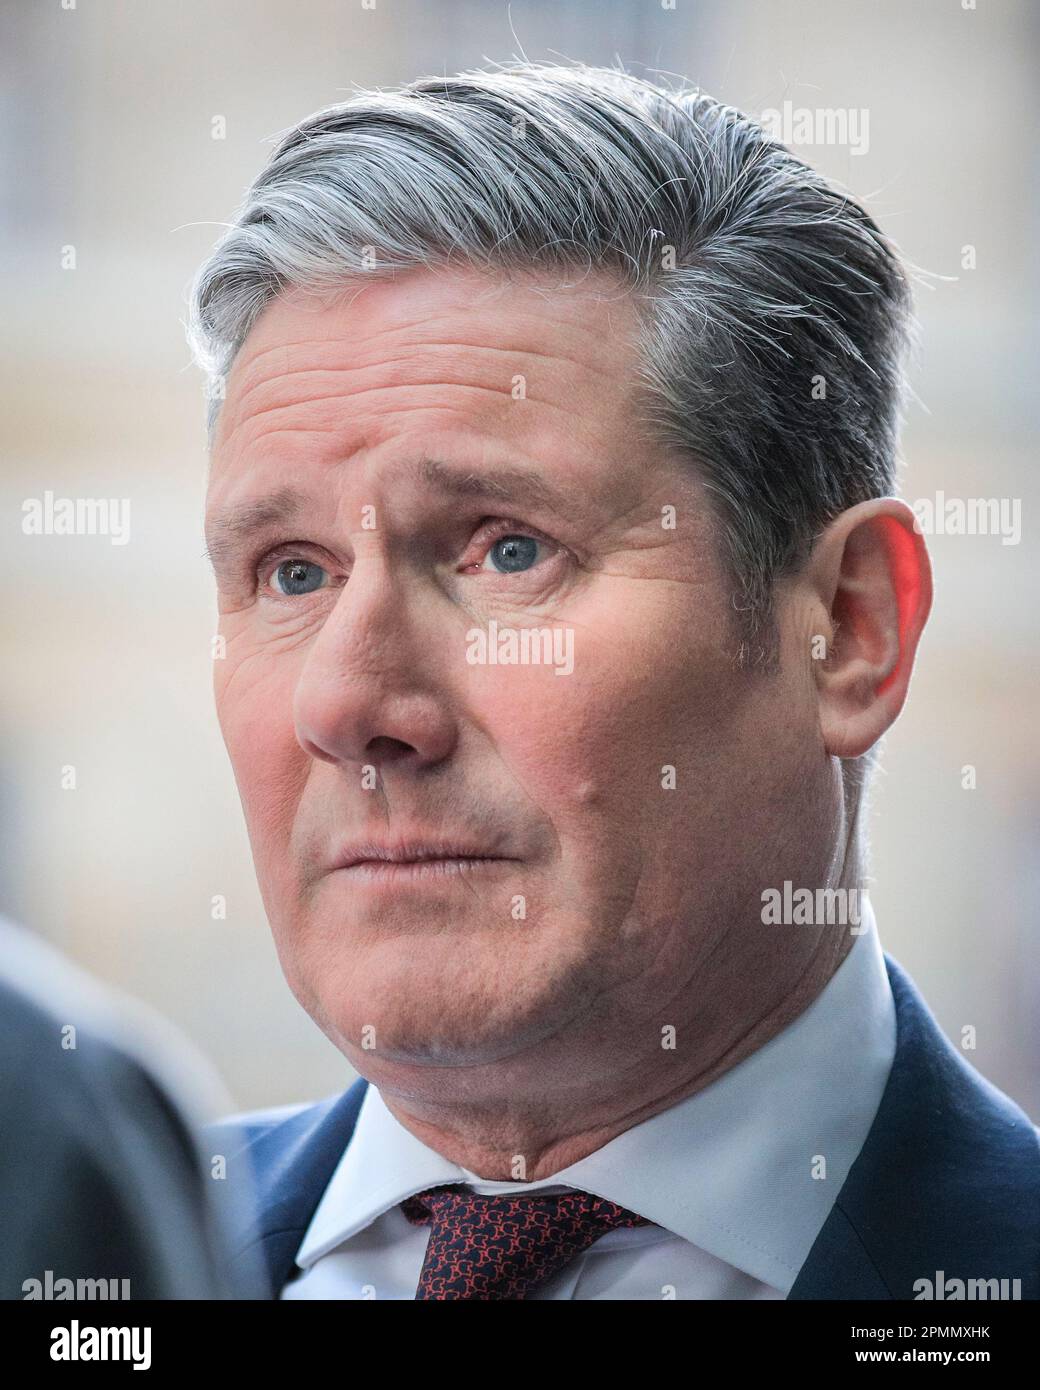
(346, 370)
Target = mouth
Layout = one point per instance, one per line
(417, 862)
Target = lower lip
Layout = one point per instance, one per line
(418, 871)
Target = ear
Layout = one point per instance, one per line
(871, 573)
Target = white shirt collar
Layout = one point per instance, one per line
(730, 1169)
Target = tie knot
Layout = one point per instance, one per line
(500, 1247)
(571, 1210)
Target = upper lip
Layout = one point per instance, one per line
(412, 851)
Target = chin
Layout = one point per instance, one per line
(449, 1005)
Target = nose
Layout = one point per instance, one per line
(368, 693)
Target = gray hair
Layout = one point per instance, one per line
(774, 312)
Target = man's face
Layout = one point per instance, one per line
(452, 454)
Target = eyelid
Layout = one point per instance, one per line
(289, 550)
(497, 527)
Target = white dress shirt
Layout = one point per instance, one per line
(732, 1178)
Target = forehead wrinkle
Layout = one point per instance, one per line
(415, 348)
(242, 417)
(416, 361)
(408, 314)
(330, 424)
(408, 383)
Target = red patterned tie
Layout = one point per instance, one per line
(505, 1246)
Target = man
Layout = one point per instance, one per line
(565, 599)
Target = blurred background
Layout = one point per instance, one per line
(113, 191)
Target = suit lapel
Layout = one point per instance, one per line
(292, 1164)
(946, 1182)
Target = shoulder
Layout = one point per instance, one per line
(245, 1129)
(277, 1137)
(949, 1178)
(253, 1122)
(946, 1077)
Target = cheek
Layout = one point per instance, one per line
(598, 737)
(254, 708)
(558, 736)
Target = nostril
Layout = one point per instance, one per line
(387, 750)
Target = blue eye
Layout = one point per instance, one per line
(293, 577)
(513, 554)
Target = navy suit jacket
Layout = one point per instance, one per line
(947, 1181)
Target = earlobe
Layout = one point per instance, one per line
(874, 575)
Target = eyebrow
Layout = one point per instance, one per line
(505, 485)
(516, 485)
(226, 529)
